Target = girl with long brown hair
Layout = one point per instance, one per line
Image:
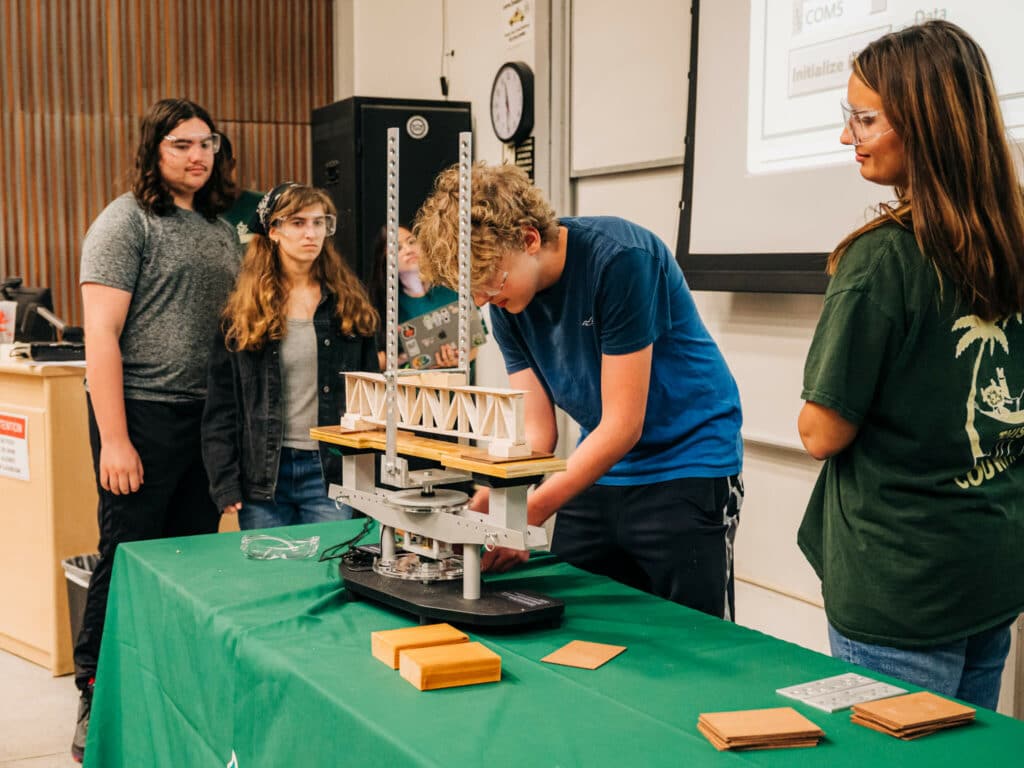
(915, 378)
(297, 318)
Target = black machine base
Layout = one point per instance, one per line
(443, 601)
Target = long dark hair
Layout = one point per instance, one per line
(964, 201)
(378, 283)
(215, 196)
(255, 310)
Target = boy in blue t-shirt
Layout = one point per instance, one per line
(593, 315)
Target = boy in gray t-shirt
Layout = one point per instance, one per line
(157, 266)
(179, 270)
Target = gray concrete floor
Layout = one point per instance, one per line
(37, 715)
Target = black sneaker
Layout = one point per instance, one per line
(82, 728)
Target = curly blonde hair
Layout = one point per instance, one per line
(504, 201)
(255, 310)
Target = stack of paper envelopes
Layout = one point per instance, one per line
(912, 716)
(774, 728)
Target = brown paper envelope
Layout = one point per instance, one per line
(798, 743)
(913, 709)
(711, 736)
(585, 655)
(919, 732)
(761, 723)
(907, 734)
(722, 746)
(914, 728)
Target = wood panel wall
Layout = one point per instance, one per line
(76, 76)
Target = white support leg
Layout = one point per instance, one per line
(357, 471)
(471, 571)
(387, 543)
(507, 507)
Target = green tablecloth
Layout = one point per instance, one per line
(207, 654)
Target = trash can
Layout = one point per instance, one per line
(78, 571)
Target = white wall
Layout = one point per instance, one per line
(393, 48)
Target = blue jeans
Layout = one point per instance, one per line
(300, 496)
(969, 669)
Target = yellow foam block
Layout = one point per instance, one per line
(447, 666)
(387, 644)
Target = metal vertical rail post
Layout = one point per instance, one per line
(465, 230)
(470, 552)
(391, 368)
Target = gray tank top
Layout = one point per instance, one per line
(298, 375)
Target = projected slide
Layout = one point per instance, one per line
(800, 54)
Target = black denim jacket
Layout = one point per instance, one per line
(244, 415)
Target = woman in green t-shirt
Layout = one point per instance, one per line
(416, 297)
(914, 383)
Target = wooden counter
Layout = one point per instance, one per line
(48, 517)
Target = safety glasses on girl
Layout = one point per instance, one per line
(296, 226)
(864, 125)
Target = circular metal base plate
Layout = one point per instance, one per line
(412, 567)
(441, 500)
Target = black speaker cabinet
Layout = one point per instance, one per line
(350, 156)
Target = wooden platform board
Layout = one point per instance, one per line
(481, 454)
(409, 443)
(508, 470)
(446, 453)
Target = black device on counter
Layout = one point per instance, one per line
(37, 324)
(49, 351)
(30, 325)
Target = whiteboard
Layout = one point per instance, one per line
(770, 175)
(628, 100)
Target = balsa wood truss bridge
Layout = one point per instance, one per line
(432, 404)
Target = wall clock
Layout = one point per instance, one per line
(512, 102)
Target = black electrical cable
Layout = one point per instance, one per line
(339, 551)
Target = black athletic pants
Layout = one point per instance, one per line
(672, 539)
(174, 500)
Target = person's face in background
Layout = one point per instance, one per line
(186, 171)
(882, 157)
(300, 236)
(408, 251)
